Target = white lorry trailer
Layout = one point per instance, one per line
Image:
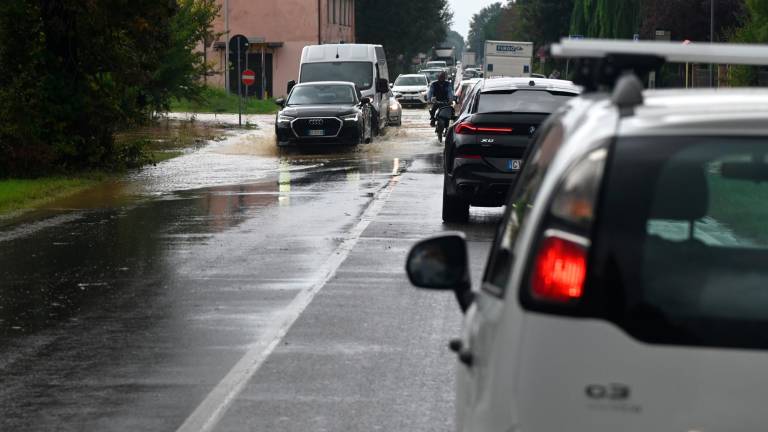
(468, 59)
(508, 59)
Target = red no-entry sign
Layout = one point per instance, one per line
(249, 77)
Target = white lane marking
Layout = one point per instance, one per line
(211, 410)
(31, 228)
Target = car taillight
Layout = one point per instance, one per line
(471, 129)
(559, 270)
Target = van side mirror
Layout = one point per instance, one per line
(280, 102)
(291, 85)
(442, 263)
(382, 86)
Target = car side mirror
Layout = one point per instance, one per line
(365, 101)
(442, 263)
(382, 86)
(280, 101)
(291, 85)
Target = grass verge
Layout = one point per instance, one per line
(219, 101)
(17, 194)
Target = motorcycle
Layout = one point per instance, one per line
(443, 117)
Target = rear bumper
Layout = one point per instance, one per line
(480, 184)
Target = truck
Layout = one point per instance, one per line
(448, 55)
(508, 59)
(468, 59)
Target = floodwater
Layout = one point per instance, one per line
(122, 307)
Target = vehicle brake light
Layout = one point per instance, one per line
(471, 129)
(559, 271)
(465, 129)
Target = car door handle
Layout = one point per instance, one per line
(465, 356)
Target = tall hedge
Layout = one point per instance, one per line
(72, 72)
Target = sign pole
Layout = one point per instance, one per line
(239, 89)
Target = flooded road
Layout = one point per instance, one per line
(237, 287)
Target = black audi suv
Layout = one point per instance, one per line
(485, 148)
(323, 113)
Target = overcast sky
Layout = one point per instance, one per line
(463, 11)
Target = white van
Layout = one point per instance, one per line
(364, 65)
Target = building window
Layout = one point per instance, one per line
(344, 4)
(328, 10)
(334, 11)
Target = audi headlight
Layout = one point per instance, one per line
(282, 118)
(351, 117)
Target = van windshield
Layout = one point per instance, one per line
(411, 81)
(360, 73)
(684, 240)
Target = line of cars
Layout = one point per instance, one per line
(342, 97)
(625, 288)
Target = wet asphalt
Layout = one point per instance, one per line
(237, 287)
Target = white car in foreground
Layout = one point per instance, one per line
(411, 89)
(626, 287)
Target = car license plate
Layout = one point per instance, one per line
(514, 164)
(316, 132)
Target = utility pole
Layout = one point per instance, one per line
(711, 39)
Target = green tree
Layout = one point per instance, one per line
(86, 69)
(456, 40)
(754, 30)
(614, 19)
(404, 27)
(485, 25)
(689, 19)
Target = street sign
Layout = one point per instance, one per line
(248, 77)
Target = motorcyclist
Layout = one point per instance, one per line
(439, 91)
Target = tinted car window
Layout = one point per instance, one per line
(524, 101)
(541, 154)
(360, 73)
(322, 95)
(684, 244)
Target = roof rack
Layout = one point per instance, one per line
(669, 52)
(601, 62)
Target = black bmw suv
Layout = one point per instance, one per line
(485, 147)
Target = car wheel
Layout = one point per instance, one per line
(455, 209)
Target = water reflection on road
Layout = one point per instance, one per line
(155, 284)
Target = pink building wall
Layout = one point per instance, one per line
(286, 26)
